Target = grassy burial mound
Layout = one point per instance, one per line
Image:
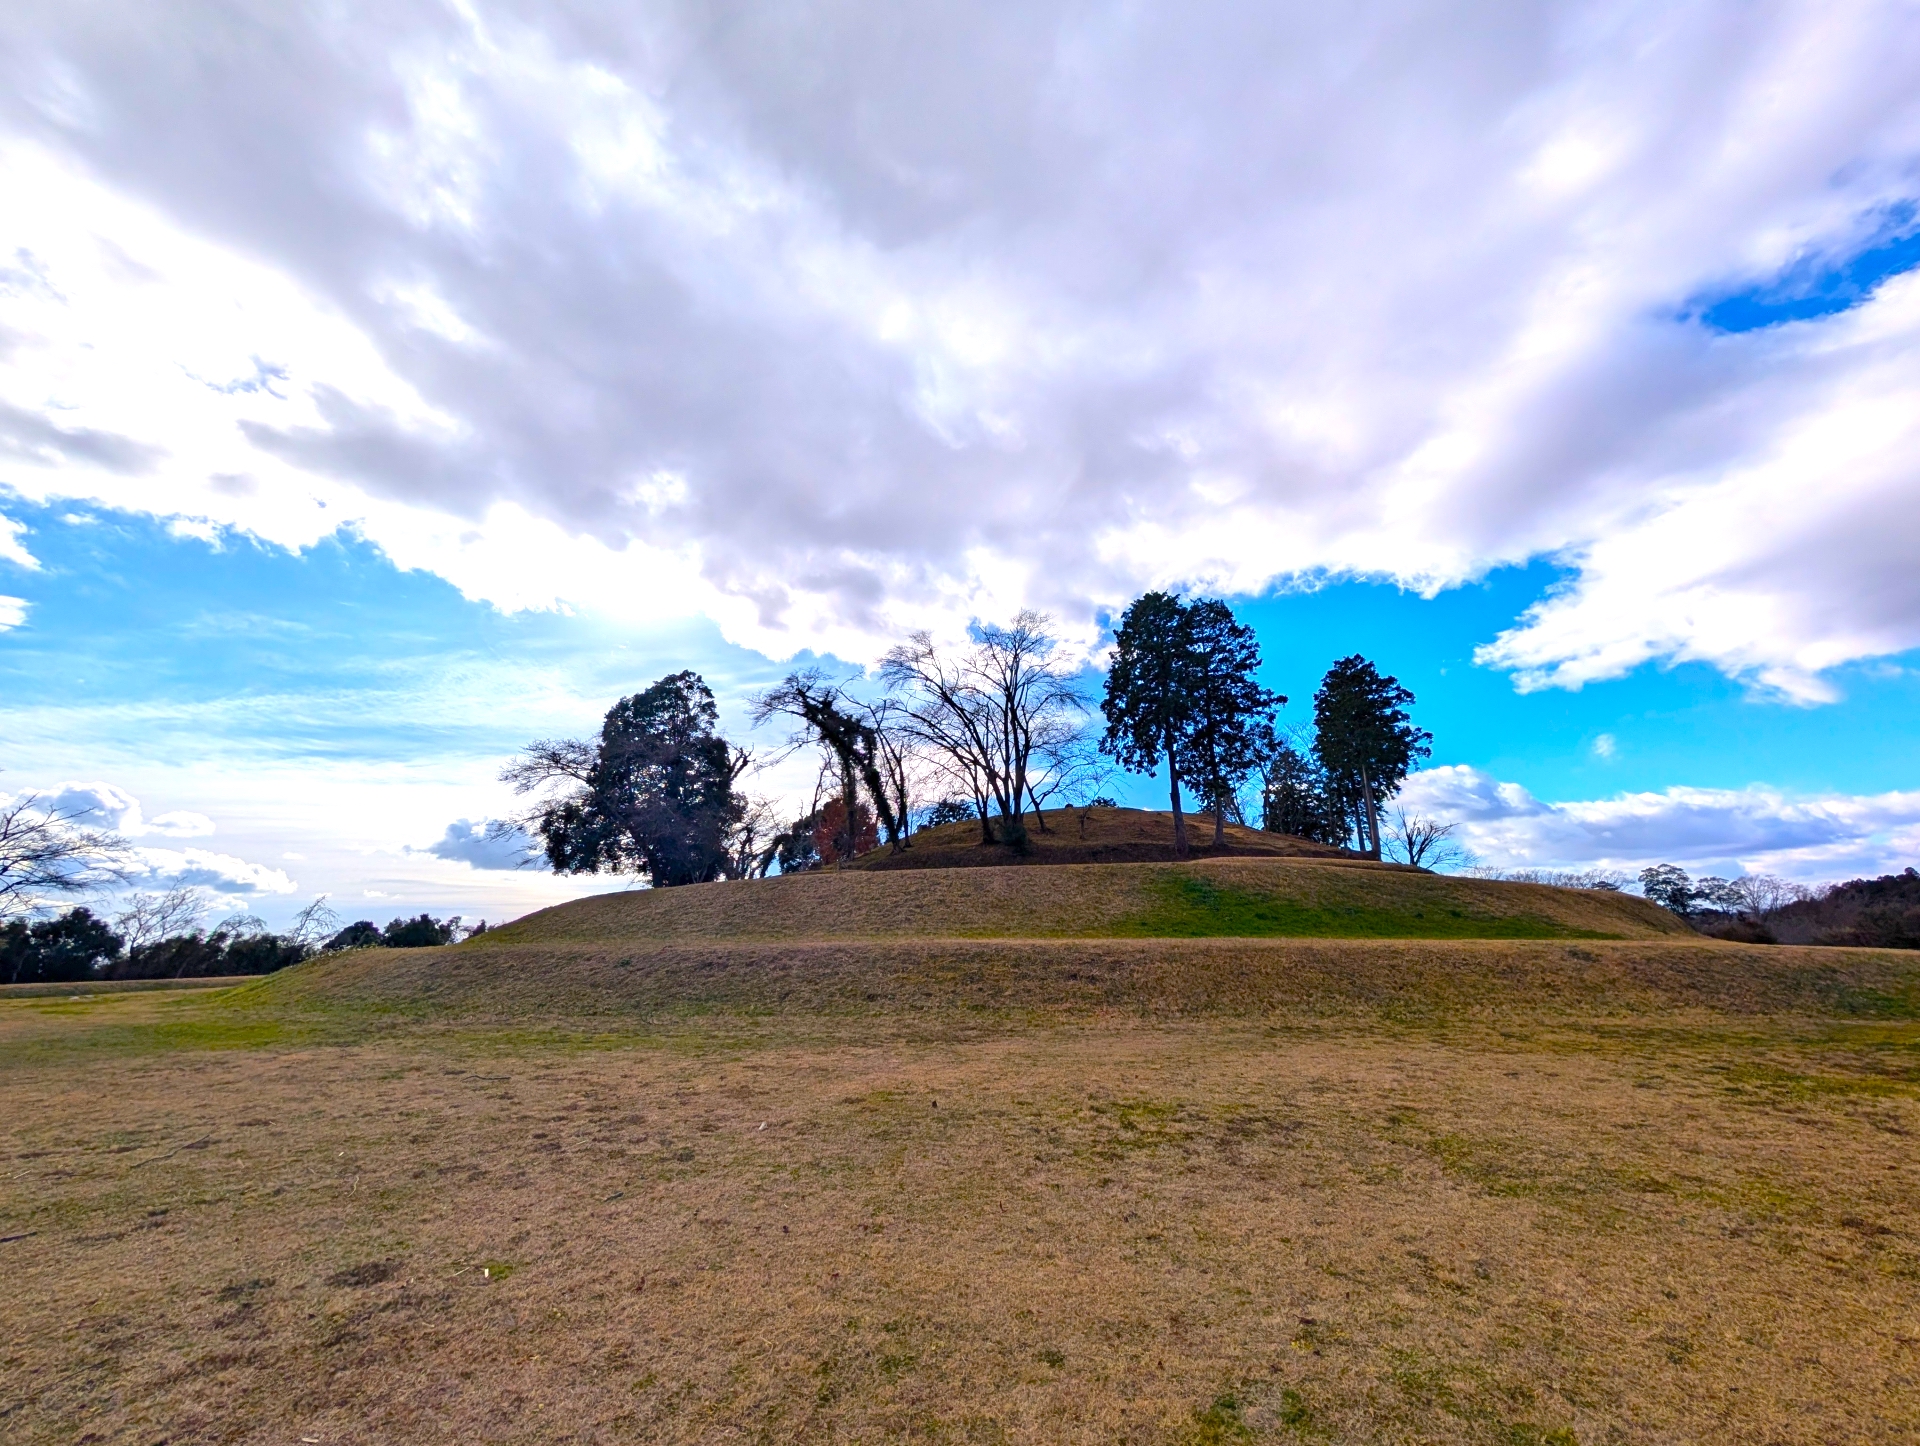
(1303, 938)
(1303, 934)
(965, 984)
(1090, 836)
(1212, 898)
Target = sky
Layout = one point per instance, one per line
(382, 387)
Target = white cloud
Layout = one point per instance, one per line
(12, 549)
(13, 612)
(223, 874)
(828, 337)
(102, 805)
(1606, 746)
(105, 806)
(1755, 830)
(95, 805)
(467, 842)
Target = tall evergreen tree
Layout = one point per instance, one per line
(1296, 799)
(1148, 703)
(1230, 729)
(1365, 740)
(653, 794)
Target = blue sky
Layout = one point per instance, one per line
(195, 674)
(383, 386)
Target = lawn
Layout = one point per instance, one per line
(318, 1210)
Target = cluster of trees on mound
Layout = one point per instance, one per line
(1882, 913)
(1182, 693)
(158, 936)
(991, 731)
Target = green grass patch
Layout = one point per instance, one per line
(1192, 907)
(1865, 1003)
(1762, 1078)
(1219, 1424)
(133, 1037)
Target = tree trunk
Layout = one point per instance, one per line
(1173, 788)
(1372, 841)
(1220, 822)
(850, 796)
(1016, 818)
(1038, 817)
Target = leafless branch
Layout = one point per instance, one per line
(1421, 841)
(46, 853)
(147, 918)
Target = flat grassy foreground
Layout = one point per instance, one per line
(1144, 1191)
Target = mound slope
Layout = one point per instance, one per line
(1405, 980)
(1212, 898)
(1301, 933)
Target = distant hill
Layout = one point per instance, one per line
(1882, 913)
(1090, 836)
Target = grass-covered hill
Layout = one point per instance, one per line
(1312, 932)
(1304, 936)
(1208, 898)
(1288, 1148)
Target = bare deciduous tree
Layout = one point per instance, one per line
(148, 917)
(1425, 843)
(867, 741)
(1607, 881)
(755, 840)
(45, 853)
(1068, 766)
(993, 715)
(313, 925)
(945, 711)
(1758, 895)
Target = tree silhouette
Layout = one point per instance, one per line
(1148, 703)
(1366, 740)
(1230, 725)
(653, 794)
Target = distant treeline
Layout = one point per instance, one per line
(79, 945)
(1882, 913)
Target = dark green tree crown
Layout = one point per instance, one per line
(1149, 690)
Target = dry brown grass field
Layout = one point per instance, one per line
(589, 1181)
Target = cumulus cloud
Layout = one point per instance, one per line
(102, 805)
(13, 612)
(830, 322)
(467, 842)
(1753, 830)
(222, 874)
(110, 808)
